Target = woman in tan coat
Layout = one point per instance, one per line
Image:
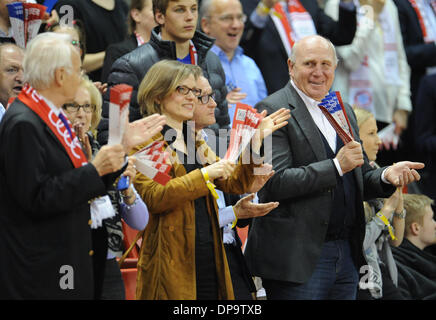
(182, 254)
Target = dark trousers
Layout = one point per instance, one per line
(335, 278)
(113, 284)
(242, 282)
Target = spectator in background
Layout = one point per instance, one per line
(373, 73)
(140, 24)
(224, 20)
(76, 32)
(425, 136)
(271, 31)
(416, 268)
(174, 38)
(11, 73)
(383, 275)
(104, 22)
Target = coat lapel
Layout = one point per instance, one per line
(300, 113)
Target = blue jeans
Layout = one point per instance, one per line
(335, 278)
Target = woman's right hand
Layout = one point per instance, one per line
(222, 169)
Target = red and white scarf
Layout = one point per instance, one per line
(292, 24)
(66, 136)
(428, 35)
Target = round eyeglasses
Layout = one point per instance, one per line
(205, 98)
(185, 90)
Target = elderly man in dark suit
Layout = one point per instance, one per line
(310, 247)
(46, 182)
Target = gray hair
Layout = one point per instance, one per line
(293, 56)
(204, 11)
(44, 54)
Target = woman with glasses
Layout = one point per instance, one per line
(182, 256)
(85, 114)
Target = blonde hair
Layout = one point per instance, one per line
(96, 100)
(362, 115)
(161, 81)
(415, 205)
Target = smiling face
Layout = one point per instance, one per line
(179, 21)
(313, 70)
(225, 24)
(370, 140)
(11, 72)
(180, 107)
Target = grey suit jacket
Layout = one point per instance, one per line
(286, 244)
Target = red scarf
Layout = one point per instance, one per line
(193, 53)
(421, 21)
(64, 133)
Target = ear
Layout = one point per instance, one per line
(160, 18)
(59, 76)
(134, 13)
(290, 67)
(204, 23)
(415, 228)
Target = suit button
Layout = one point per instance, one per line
(91, 252)
(171, 228)
(89, 221)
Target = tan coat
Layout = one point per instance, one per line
(166, 267)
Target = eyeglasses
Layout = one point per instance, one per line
(228, 18)
(185, 90)
(205, 99)
(75, 107)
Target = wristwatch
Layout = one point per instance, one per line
(400, 215)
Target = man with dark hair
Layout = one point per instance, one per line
(174, 38)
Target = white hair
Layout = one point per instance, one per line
(44, 54)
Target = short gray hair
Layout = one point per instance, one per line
(44, 54)
(204, 11)
(293, 56)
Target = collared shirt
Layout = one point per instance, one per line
(321, 122)
(242, 72)
(2, 111)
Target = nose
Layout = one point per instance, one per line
(212, 104)
(19, 76)
(379, 142)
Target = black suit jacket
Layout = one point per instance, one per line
(266, 47)
(44, 212)
(286, 244)
(420, 55)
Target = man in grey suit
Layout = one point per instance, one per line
(310, 247)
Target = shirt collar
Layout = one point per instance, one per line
(308, 101)
(220, 53)
(52, 106)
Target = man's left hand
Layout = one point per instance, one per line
(403, 173)
(245, 209)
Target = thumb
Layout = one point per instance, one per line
(249, 197)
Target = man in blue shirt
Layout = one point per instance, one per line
(224, 20)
